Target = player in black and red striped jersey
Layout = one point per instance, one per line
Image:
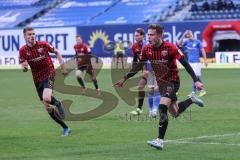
(139, 35)
(162, 56)
(83, 60)
(36, 55)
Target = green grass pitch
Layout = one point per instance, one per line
(27, 132)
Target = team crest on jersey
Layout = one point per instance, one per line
(164, 52)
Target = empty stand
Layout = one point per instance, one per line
(15, 11)
(94, 12)
(74, 12)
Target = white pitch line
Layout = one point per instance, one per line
(207, 143)
(202, 137)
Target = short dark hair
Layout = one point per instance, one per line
(27, 29)
(159, 29)
(140, 31)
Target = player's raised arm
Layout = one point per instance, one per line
(180, 42)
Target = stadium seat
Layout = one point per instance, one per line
(92, 12)
(215, 14)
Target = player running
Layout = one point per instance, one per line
(83, 60)
(139, 35)
(36, 55)
(162, 56)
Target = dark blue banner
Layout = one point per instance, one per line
(101, 38)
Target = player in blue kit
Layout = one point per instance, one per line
(194, 48)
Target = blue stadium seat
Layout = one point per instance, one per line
(11, 18)
(77, 12)
(133, 12)
(92, 12)
(13, 4)
(214, 13)
(13, 12)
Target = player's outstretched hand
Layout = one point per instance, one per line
(24, 66)
(119, 83)
(199, 85)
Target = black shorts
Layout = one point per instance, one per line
(119, 55)
(87, 68)
(47, 83)
(169, 89)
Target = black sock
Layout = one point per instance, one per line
(56, 119)
(95, 83)
(141, 95)
(163, 121)
(184, 105)
(54, 101)
(80, 81)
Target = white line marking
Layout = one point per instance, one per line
(207, 143)
(186, 140)
(202, 137)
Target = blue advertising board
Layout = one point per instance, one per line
(101, 38)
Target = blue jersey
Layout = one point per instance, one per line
(193, 49)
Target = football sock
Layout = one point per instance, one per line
(56, 119)
(183, 105)
(80, 81)
(95, 83)
(156, 100)
(141, 95)
(150, 100)
(163, 121)
(54, 101)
